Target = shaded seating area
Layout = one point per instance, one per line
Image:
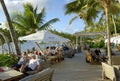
(43, 65)
(53, 55)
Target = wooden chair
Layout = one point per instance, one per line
(108, 72)
(45, 75)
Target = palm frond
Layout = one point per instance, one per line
(101, 18)
(19, 26)
(114, 9)
(40, 16)
(48, 24)
(30, 20)
(73, 7)
(70, 22)
(27, 7)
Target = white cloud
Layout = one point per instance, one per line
(66, 28)
(69, 29)
(76, 30)
(2, 25)
(68, 1)
(13, 5)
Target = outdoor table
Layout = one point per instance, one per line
(10, 75)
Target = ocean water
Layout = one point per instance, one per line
(26, 45)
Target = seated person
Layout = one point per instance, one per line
(89, 56)
(32, 65)
(54, 51)
(98, 55)
(112, 53)
(97, 52)
(60, 54)
(47, 51)
(23, 60)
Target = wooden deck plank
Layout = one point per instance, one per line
(76, 69)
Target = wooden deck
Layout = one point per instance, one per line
(76, 69)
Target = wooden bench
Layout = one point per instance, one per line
(44, 75)
(108, 72)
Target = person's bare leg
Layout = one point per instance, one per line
(22, 68)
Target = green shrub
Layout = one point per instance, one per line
(95, 45)
(98, 44)
(7, 60)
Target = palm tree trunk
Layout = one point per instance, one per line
(12, 32)
(2, 51)
(114, 25)
(6, 40)
(108, 35)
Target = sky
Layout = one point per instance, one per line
(54, 9)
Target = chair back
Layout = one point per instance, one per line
(44, 75)
(108, 71)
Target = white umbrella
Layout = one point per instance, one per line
(44, 36)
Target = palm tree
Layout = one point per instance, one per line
(12, 33)
(3, 36)
(30, 20)
(90, 10)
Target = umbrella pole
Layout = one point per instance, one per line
(39, 47)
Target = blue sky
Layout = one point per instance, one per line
(54, 9)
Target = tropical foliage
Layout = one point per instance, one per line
(11, 29)
(117, 20)
(7, 60)
(89, 11)
(30, 20)
(6, 32)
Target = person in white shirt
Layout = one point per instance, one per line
(32, 65)
(54, 51)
